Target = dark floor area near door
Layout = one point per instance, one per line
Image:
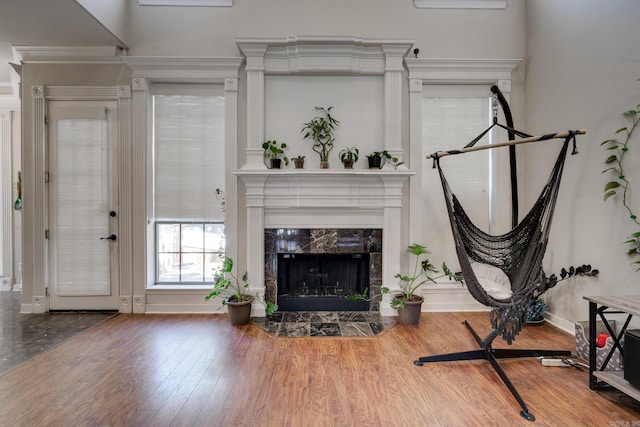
(22, 336)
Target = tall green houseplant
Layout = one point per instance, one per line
(618, 148)
(320, 130)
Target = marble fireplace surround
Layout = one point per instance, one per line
(324, 241)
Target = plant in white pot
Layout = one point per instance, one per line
(234, 294)
(407, 301)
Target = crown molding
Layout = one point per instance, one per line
(323, 54)
(210, 3)
(460, 4)
(200, 70)
(436, 70)
(70, 54)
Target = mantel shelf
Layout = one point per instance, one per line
(328, 173)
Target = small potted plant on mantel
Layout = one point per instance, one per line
(233, 293)
(407, 301)
(349, 156)
(377, 158)
(272, 151)
(298, 162)
(320, 130)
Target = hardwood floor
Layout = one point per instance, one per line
(196, 370)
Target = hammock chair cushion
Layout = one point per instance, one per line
(493, 280)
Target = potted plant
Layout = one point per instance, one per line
(233, 293)
(535, 312)
(272, 151)
(349, 156)
(298, 162)
(320, 130)
(408, 302)
(377, 157)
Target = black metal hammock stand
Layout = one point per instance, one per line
(518, 253)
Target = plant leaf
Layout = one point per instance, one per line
(608, 194)
(611, 185)
(611, 159)
(624, 129)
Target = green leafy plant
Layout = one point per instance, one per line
(320, 130)
(537, 306)
(422, 272)
(349, 156)
(273, 150)
(231, 289)
(387, 157)
(620, 185)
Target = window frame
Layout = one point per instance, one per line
(180, 252)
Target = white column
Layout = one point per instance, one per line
(231, 164)
(415, 157)
(255, 106)
(123, 214)
(139, 205)
(391, 244)
(6, 193)
(255, 237)
(393, 98)
(36, 205)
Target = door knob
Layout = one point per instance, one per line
(112, 237)
(112, 213)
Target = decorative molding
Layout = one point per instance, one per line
(6, 212)
(437, 70)
(138, 84)
(460, 4)
(209, 3)
(325, 54)
(231, 85)
(185, 70)
(37, 92)
(70, 54)
(124, 92)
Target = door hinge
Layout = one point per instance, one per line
(46, 234)
(46, 119)
(46, 292)
(46, 176)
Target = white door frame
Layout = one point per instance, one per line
(40, 269)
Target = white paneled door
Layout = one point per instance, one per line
(83, 211)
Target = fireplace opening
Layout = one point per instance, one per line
(312, 282)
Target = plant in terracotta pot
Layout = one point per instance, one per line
(349, 156)
(377, 159)
(234, 294)
(408, 302)
(320, 130)
(272, 151)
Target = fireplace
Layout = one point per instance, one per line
(322, 281)
(316, 269)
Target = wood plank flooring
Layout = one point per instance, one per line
(196, 370)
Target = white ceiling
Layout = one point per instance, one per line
(46, 23)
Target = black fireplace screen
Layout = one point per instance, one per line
(321, 276)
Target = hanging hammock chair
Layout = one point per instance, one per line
(503, 271)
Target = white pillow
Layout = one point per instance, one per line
(493, 280)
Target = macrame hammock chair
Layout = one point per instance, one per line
(518, 254)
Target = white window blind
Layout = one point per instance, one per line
(452, 116)
(188, 151)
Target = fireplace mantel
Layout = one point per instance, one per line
(320, 198)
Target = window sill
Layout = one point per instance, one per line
(175, 288)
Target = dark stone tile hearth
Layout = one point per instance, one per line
(325, 323)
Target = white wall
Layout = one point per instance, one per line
(197, 31)
(582, 71)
